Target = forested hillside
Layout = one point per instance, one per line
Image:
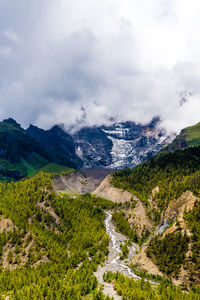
(173, 173)
(162, 184)
(53, 244)
(129, 288)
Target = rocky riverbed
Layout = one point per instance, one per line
(113, 262)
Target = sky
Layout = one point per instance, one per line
(86, 62)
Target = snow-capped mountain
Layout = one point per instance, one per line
(120, 145)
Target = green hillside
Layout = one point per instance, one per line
(173, 174)
(21, 155)
(53, 244)
(56, 169)
(189, 137)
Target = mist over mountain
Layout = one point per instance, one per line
(24, 152)
(85, 64)
(121, 144)
(116, 146)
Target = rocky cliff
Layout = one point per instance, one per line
(121, 144)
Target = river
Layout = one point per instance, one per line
(113, 262)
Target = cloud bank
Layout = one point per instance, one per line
(89, 62)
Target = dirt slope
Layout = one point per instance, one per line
(137, 217)
(6, 225)
(176, 209)
(75, 183)
(174, 212)
(145, 263)
(106, 190)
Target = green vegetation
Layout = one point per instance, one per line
(173, 173)
(189, 137)
(31, 165)
(56, 169)
(20, 154)
(123, 226)
(129, 288)
(56, 242)
(61, 255)
(144, 274)
(23, 156)
(124, 249)
(169, 252)
(192, 218)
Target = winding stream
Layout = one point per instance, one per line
(114, 253)
(113, 262)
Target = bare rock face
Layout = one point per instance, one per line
(176, 210)
(121, 144)
(107, 191)
(145, 263)
(6, 225)
(75, 183)
(113, 147)
(137, 216)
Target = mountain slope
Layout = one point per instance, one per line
(121, 144)
(24, 152)
(93, 147)
(20, 154)
(168, 185)
(58, 145)
(188, 137)
(50, 245)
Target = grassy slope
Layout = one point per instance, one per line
(192, 135)
(189, 137)
(31, 165)
(56, 169)
(19, 152)
(22, 155)
(34, 164)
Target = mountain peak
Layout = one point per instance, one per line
(12, 122)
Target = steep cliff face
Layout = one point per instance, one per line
(120, 145)
(93, 146)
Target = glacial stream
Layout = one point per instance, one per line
(113, 262)
(116, 239)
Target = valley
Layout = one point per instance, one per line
(99, 150)
(113, 262)
(97, 232)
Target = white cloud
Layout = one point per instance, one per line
(11, 35)
(129, 60)
(5, 52)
